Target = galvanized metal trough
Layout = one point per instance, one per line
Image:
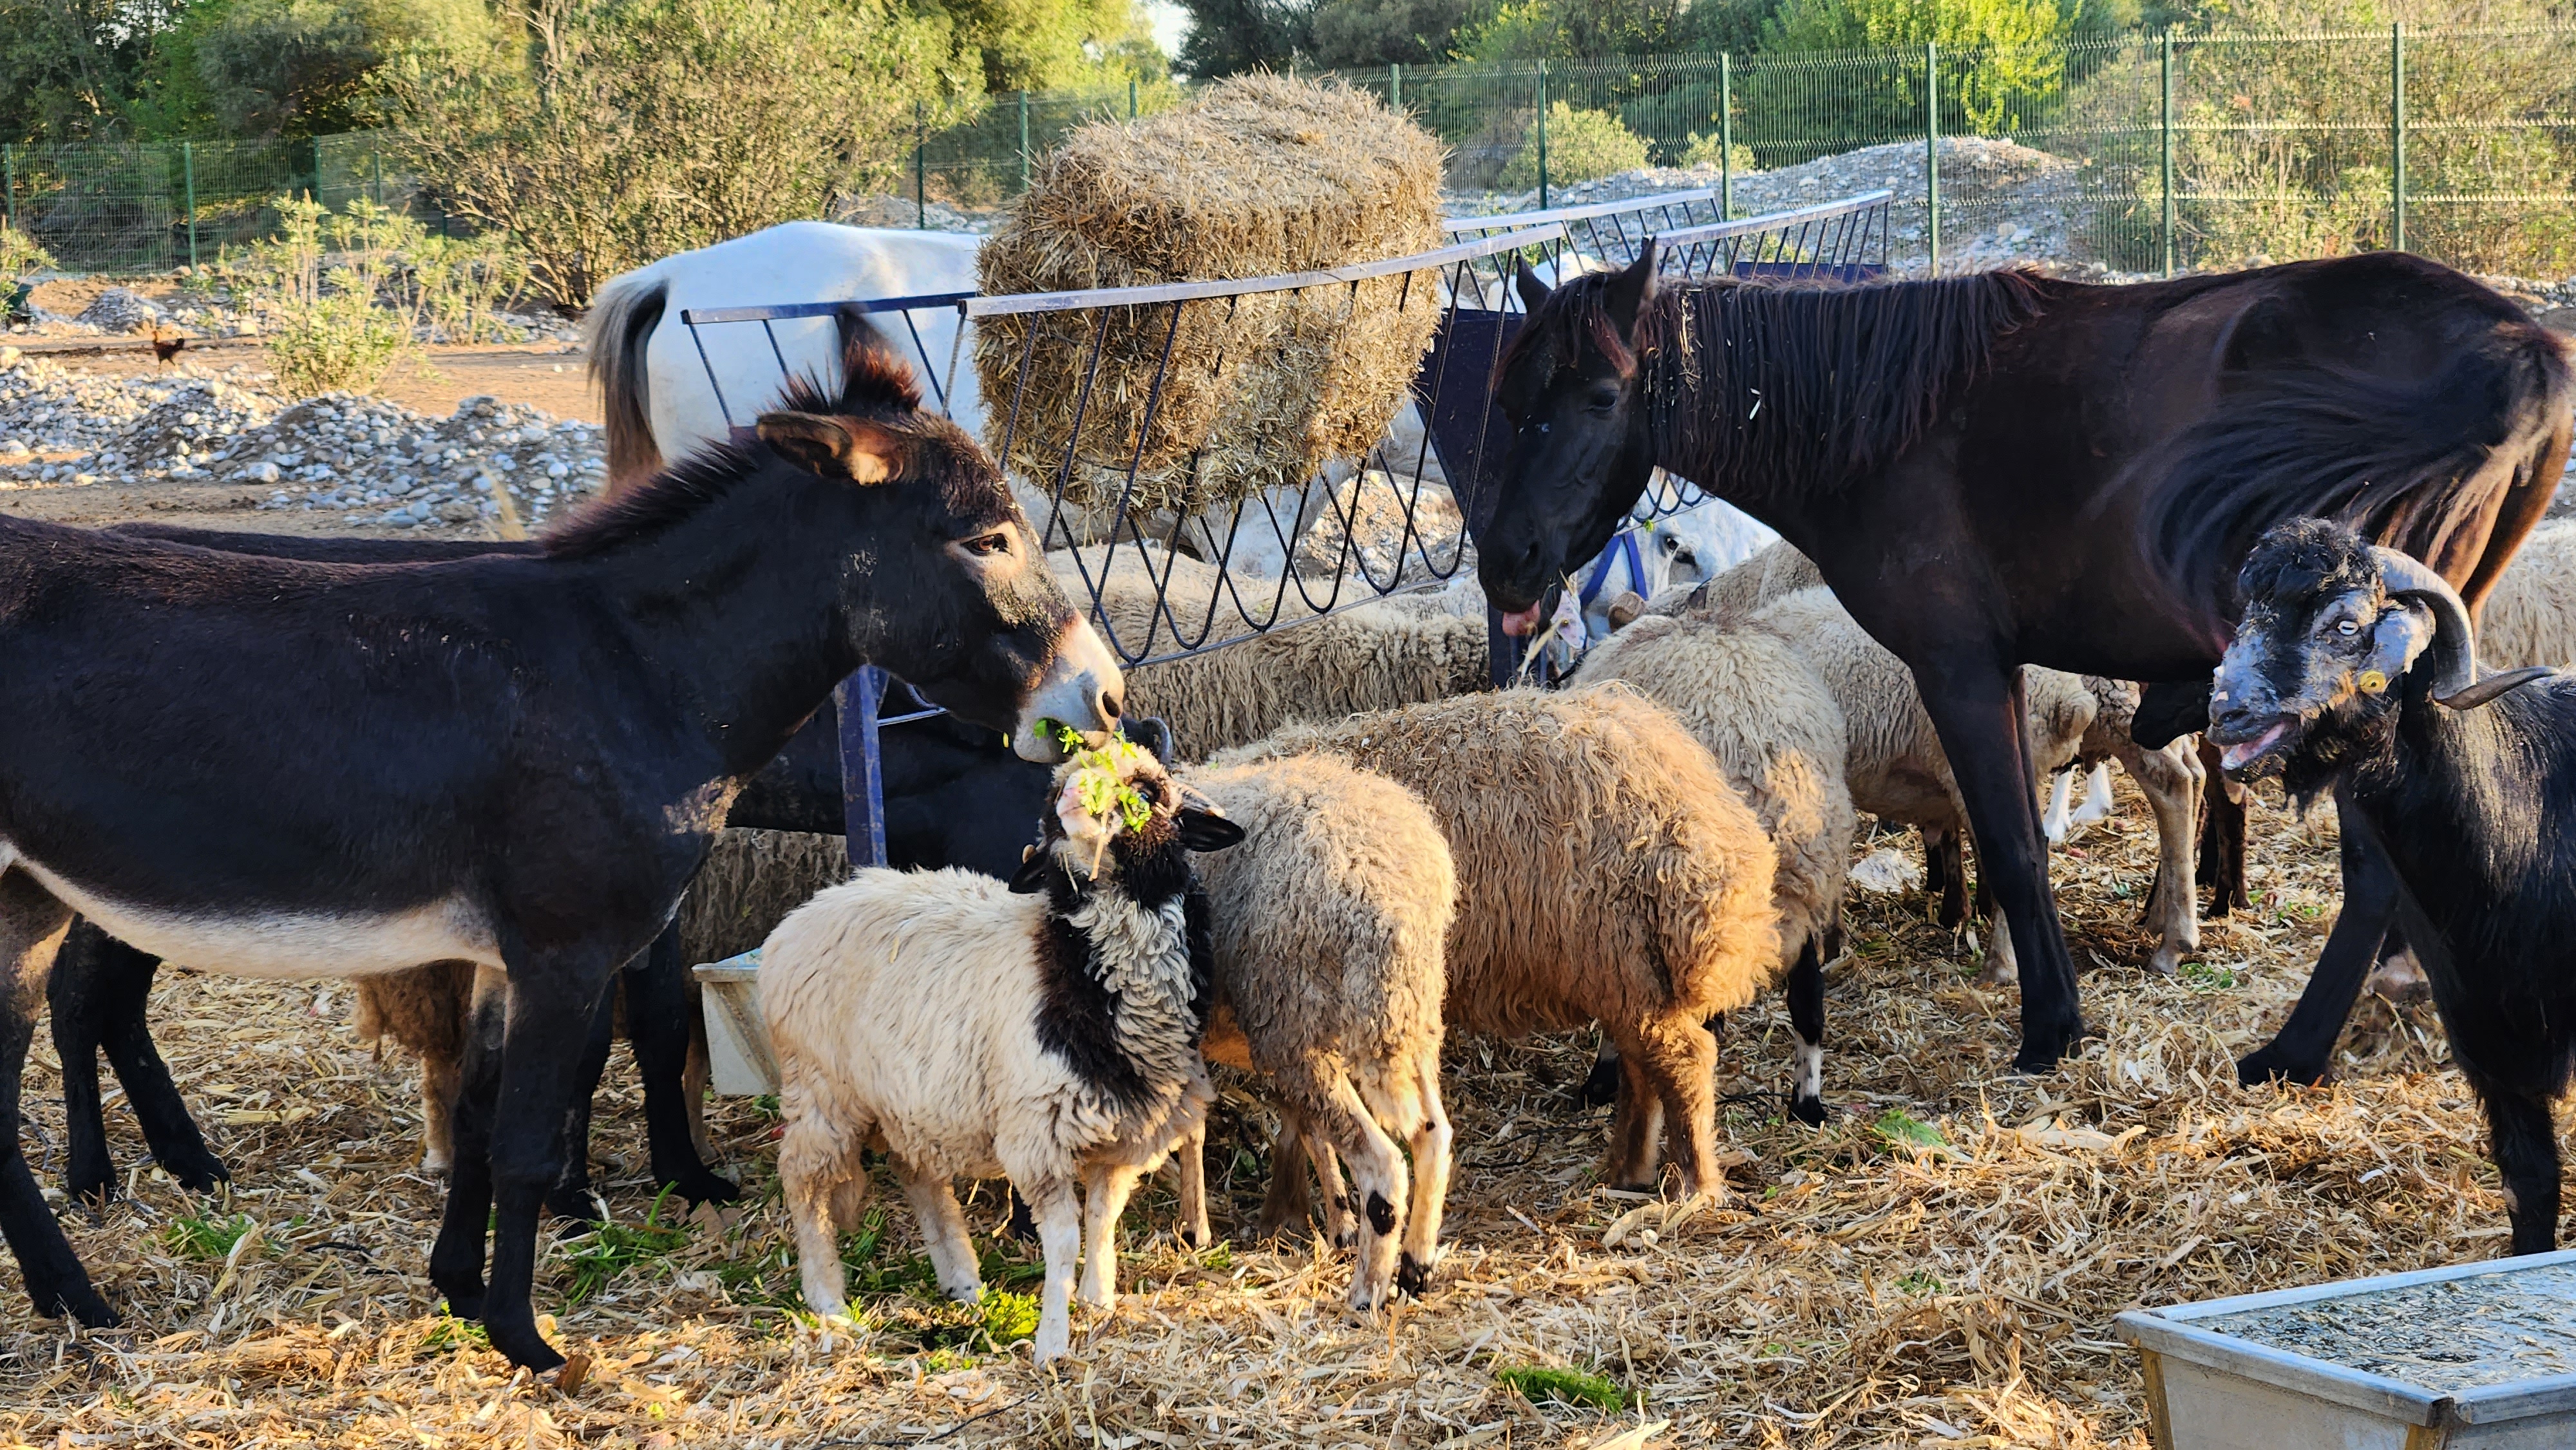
(2477, 1355)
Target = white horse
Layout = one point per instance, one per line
(649, 369)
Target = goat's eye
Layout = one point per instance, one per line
(989, 544)
(2347, 627)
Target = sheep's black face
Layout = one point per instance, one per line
(2311, 681)
(1116, 815)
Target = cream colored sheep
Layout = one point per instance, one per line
(1607, 873)
(1389, 652)
(2530, 616)
(1330, 921)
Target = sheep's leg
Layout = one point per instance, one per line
(2097, 796)
(1806, 993)
(1336, 1113)
(944, 1234)
(1636, 1124)
(2526, 1154)
(2053, 821)
(1601, 1087)
(32, 923)
(2222, 836)
(2172, 792)
(697, 1076)
(1106, 1189)
(1340, 1224)
(818, 1166)
(1945, 875)
(1192, 1152)
(1060, 1232)
(441, 1078)
(1682, 1065)
(1289, 1201)
(1431, 1149)
(2002, 969)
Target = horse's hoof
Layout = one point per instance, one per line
(703, 1186)
(523, 1346)
(95, 1187)
(198, 1172)
(573, 1205)
(463, 1303)
(76, 1301)
(2263, 1065)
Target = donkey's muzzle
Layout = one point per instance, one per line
(1081, 691)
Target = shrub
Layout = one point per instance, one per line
(19, 254)
(2003, 61)
(325, 284)
(1703, 150)
(1581, 146)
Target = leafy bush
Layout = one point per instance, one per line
(2003, 61)
(325, 284)
(1704, 150)
(19, 254)
(1581, 146)
(632, 129)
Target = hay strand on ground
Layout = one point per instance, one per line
(1259, 176)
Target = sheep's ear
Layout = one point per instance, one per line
(1206, 830)
(833, 446)
(1031, 878)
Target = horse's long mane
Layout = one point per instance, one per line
(1801, 387)
(875, 384)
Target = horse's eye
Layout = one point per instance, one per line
(989, 544)
(1602, 400)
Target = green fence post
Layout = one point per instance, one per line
(1932, 153)
(1725, 136)
(1542, 135)
(2397, 136)
(2167, 167)
(920, 166)
(1131, 98)
(1024, 142)
(188, 171)
(9, 185)
(1394, 86)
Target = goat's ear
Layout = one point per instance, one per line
(833, 446)
(2400, 634)
(1206, 830)
(1532, 290)
(1031, 878)
(1632, 289)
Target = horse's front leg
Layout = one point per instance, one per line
(32, 923)
(1976, 704)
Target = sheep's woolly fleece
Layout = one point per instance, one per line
(1860, 1292)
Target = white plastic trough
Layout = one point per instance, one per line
(739, 1062)
(2477, 1355)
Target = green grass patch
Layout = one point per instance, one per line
(197, 1236)
(1902, 1129)
(613, 1248)
(2202, 977)
(1539, 1384)
(452, 1333)
(1920, 1282)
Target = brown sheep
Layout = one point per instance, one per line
(1607, 873)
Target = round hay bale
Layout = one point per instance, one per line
(1261, 175)
(752, 879)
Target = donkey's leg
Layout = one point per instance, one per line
(456, 1259)
(1977, 705)
(31, 930)
(78, 995)
(176, 1144)
(553, 999)
(570, 1197)
(2306, 1043)
(659, 1006)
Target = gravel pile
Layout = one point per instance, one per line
(376, 461)
(884, 210)
(119, 309)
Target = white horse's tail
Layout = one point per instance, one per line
(622, 319)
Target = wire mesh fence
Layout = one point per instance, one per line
(2142, 153)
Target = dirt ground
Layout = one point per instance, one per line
(1937, 1266)
(551, 376)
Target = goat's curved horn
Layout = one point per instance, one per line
(2455, 642)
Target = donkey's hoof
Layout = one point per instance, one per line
(197, 1172)
(699, 1186)
(76, 1301)
(523, 1346)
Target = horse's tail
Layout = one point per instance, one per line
(621, 322)
(2408, 462)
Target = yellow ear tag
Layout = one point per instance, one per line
(2372, 682)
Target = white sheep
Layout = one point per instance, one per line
(1330, 922)
(1047, 1031)
(2529, 618)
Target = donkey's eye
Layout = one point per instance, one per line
(989, 544)
(1602, 400)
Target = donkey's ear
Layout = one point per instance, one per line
(1532, 290)
(1206, 830)
(833, 446)
(1632, 289)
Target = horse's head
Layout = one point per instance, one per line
(950, 589)
(1573, 385)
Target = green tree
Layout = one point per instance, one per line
(2007, 58)
(603, 133)
(1376, 32)
(1052, 44)
(298, 68)
(68, 68)
(1581, 145)
(1576, 30)
(1229, 37)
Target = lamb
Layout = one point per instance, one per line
(2529, 618)
(1330, 921)
(2172, 780)
(1607, 873)
(1396, 651)
(2355, 669)
(1047, 1030)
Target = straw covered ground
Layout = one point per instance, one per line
(1937, 1266)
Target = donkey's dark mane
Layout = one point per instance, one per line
(1771, 387)
(875, 384)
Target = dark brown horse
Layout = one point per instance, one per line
(2002, 469)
